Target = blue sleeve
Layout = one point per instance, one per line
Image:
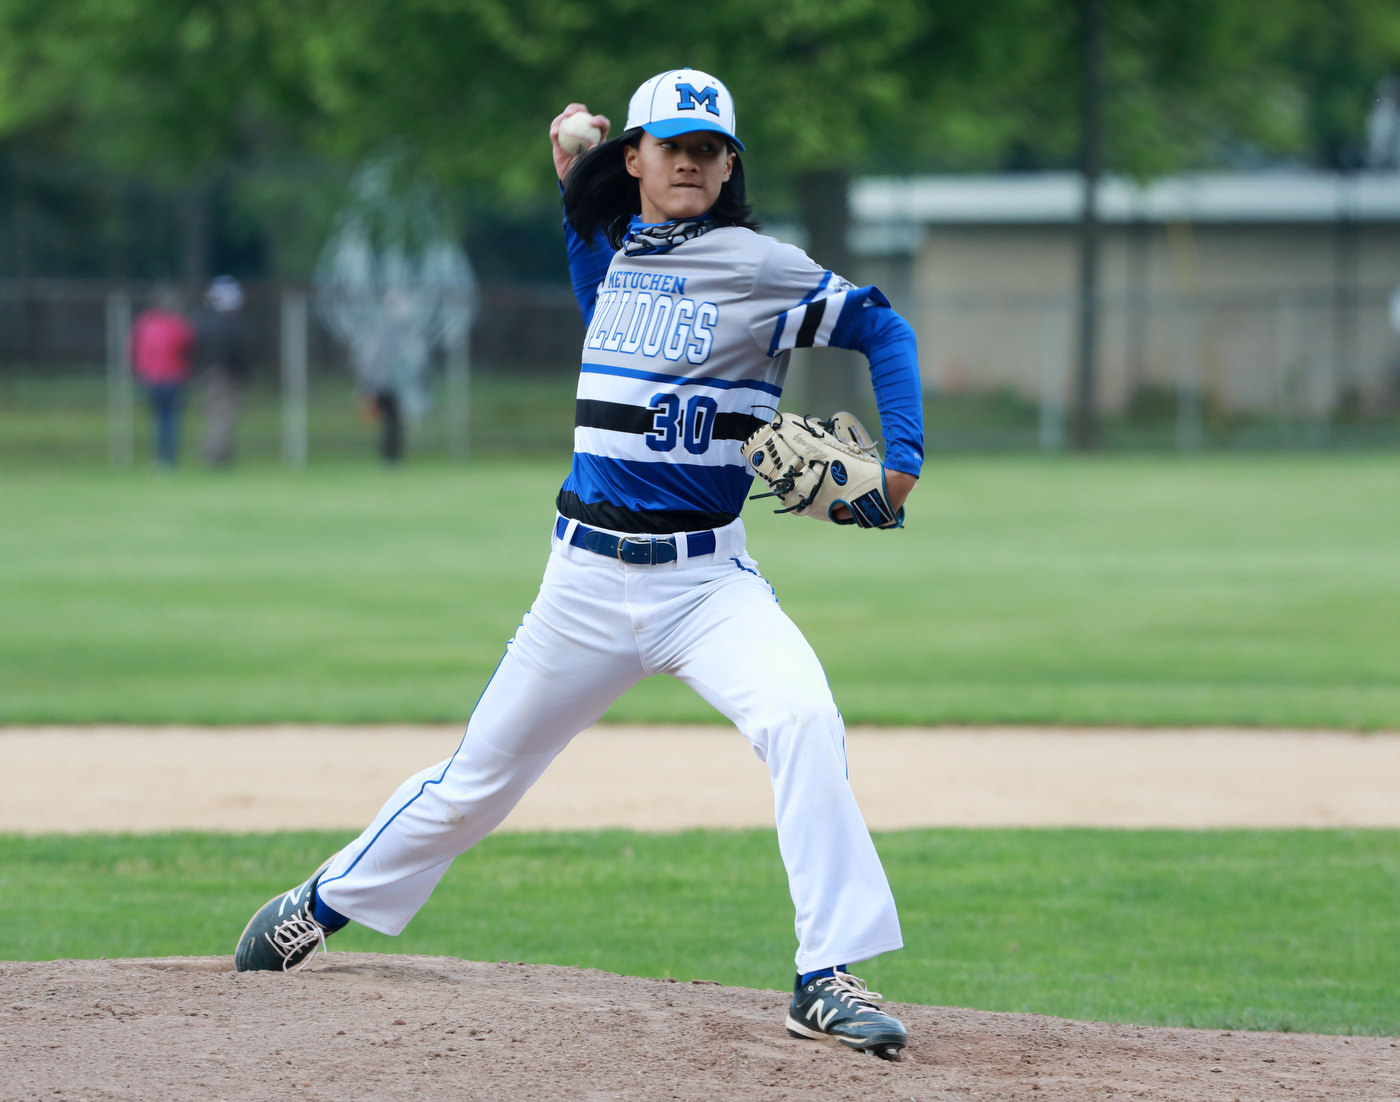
(587, 267)
(868, 325)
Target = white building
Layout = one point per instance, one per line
(1264, 292)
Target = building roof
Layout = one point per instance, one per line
(1057, 197)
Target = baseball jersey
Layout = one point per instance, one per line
(685, 356)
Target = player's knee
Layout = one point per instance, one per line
(799, 728)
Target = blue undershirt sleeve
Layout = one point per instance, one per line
(587, 267)
(887, 341)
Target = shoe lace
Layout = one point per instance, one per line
(297, 937)
(852, 991)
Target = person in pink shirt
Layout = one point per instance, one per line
(162, 342)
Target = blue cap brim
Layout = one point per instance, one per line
(672, 128)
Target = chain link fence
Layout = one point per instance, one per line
(67, 393)
(1291, 368)
(1295, 368)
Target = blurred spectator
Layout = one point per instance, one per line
(161, 344)
(381, 407)
(223, 359)
(391, 370)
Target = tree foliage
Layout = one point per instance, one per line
(178, 90)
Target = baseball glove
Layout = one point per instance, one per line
(812, 466)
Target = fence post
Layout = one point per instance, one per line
(121, 422)
(1053, 372)
(1318, 378)
(294, 378)
(1288, 335)
(459, 374)
(1188, 393)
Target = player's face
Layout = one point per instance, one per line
(679, 177)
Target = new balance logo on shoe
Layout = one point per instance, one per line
(814, 1013)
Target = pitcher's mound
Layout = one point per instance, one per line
(360, 1025)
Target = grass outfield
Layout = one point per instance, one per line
(1279, 930)
(1261, 590)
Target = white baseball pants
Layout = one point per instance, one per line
(598, 627)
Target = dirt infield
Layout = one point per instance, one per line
(667, 778)
(423, 1028)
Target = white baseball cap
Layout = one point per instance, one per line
(679, 101)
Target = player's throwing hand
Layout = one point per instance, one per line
(563, 159)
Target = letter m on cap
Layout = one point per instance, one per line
(709, 96)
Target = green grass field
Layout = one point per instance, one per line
(1261, 590)
(1290, 930)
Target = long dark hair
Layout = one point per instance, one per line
(601, 196)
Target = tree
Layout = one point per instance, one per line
(169, 92)
(177, 90)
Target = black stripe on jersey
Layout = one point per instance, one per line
(603, 514)
(737, 426)
(614, 416)
(590, 413)
(810, 321)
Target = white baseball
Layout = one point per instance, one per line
(576, 133)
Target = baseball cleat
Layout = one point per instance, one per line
(283, 935)
(841, 1008)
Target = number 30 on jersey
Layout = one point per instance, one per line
(693, 429)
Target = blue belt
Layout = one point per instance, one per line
(635, 550)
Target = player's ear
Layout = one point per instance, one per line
(729, 165)
(630, 158)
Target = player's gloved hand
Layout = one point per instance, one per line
(827, 470)
(898, 487)
(564, 160)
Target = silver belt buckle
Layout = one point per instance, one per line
(647, 543)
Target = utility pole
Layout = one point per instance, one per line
(1090, 168)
